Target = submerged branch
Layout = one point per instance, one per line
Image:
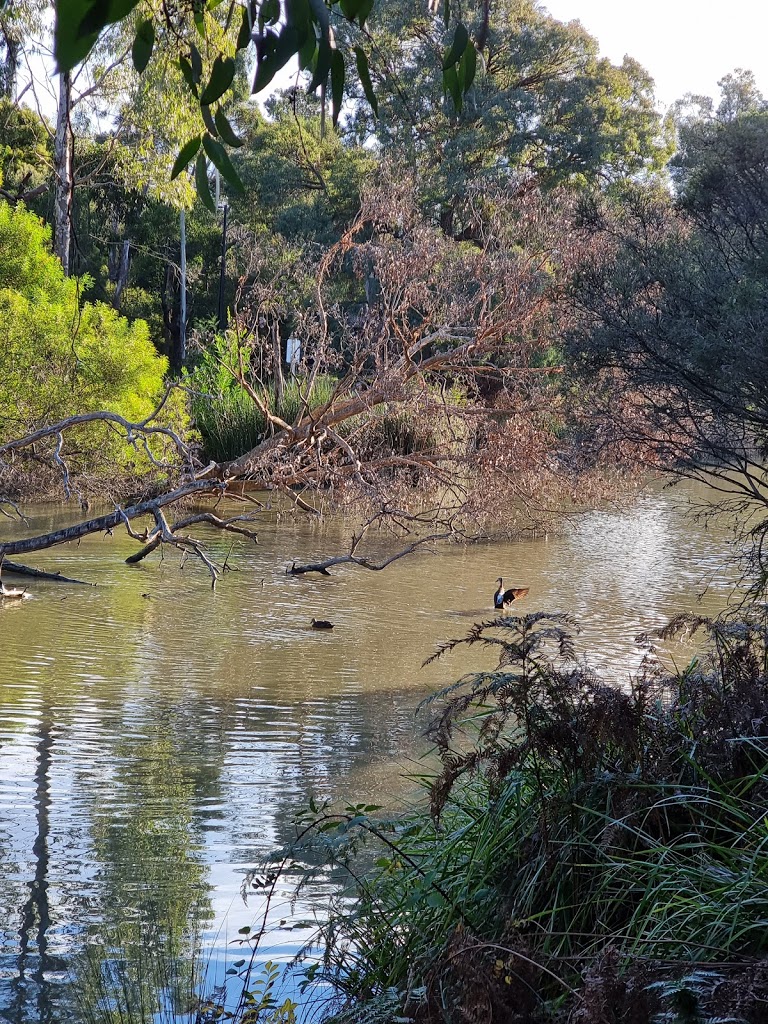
(362, 560)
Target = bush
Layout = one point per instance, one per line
(61, 358)
(591, 854)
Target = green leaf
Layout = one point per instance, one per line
(244, 35)
(274, 52)
(222, 73)
(467, 68)
(365, 78)
(197, 63)
(201, 183)
(307, 52)
(365, 9)
(143, 44)
(188, 150)
(337, 84)
(189, 77)
(323, 65)
(460, 41)
(208, 120)
(451, 86)
(351, 8)
(78, 24)
(225, 129)
(198, 14)
(98, 14)
(220, 158)
(270, 12)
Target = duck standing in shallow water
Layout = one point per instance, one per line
(504, 597)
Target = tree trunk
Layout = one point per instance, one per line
(10, 66)
(183, 312)
(277, 357)
(122, 272)
(63, 178)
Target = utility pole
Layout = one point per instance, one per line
(223, 273)
(183, 309)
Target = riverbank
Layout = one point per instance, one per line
(591, 855)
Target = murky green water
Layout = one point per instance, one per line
(156, 737)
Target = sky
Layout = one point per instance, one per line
(686, 45)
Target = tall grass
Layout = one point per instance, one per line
(230, 423)
(228, 420)
(590, 854)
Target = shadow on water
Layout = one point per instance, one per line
(157, 738)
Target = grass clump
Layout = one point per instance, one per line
(229, 421)
(590, 854)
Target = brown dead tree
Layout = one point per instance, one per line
(444, 414)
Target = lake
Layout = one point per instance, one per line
(157, 737)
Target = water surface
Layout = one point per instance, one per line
(157, 737)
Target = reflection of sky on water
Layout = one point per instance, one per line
(161, 744)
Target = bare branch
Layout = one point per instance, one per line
(367, 563)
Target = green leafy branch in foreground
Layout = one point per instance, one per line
(591, 854)
(278, 30)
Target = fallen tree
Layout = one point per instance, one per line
(443, 414)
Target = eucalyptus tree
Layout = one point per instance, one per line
(541, 101)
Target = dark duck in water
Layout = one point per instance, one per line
(504, 597)
(321, 624)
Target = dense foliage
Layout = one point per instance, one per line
(60, 356)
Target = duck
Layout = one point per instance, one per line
(321, 624)
(11, 593)
(504, 597)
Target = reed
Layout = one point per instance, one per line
(230, 423)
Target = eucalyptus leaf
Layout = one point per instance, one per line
(201, 183)
(220, 159)
(77, 28)
(451, 86)
(337, 84)
(364, 13)
(196, 61)
(222, 73)
(208, 120)
(225, 129)
(365, 78)
(351, 8)
(274, 52)
(188, 150)
(322, 66)
(459, 45)
(467, 68)
(143, 44)
(244, 35)
(270, 12)
(189, 77)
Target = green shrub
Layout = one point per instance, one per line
(60, 357)
(228, 420)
